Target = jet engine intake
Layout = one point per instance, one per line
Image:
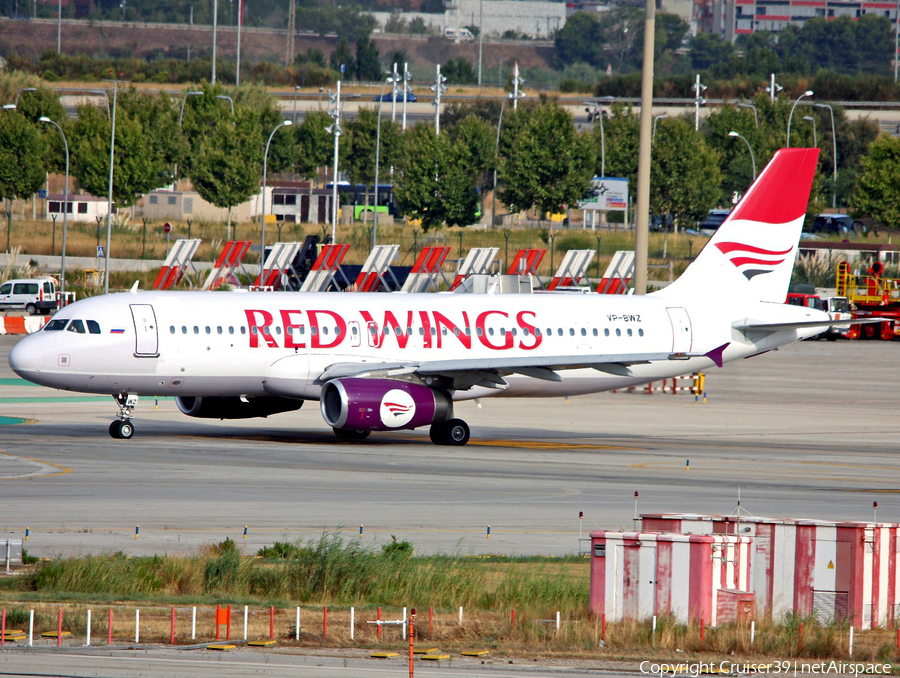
(382, 404)
(234, 407)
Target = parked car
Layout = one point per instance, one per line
(36, 295)
(837, 224)
(712, 221)
(389, 96)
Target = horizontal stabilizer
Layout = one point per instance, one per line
(747, 324)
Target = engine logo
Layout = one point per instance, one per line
(397, 408)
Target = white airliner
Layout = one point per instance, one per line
(382, 362)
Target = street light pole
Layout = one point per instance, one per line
(183, 100)
(755, 114)
(112, 155)
(749, 148)
(262, 247)
(656, 119)
(834, 156)
(392, 81)
(335, 128)
(62, 275)
(225, 97)
(215, 29)
(496, 160)
(237, 69)
(811, 119)
(807, 93)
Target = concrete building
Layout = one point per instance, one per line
(731, 18)
(81, 206)
(184, 205)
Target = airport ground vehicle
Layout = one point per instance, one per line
(34, 295)
(387, 362)
(836, 307)
(463, 34)
(871, 295)
(354, 195)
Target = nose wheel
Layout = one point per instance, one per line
(122, 428)
(451, 432)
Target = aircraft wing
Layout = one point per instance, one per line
(461, 374)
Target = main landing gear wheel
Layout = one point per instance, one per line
(452, 432)
(350, 434)
(121, 430)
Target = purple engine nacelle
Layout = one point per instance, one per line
(382, 404)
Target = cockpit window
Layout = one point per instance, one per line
(76, 326)
(56, 325)
(93, 327)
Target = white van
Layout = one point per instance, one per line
(36, 295)
(463, 34)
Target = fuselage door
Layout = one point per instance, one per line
(355, 338)
(146, 339)
(681, 330)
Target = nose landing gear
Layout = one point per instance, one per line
(122, 428)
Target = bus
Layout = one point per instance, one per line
(355, 195)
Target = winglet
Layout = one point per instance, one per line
(134, 288)
(716, 354)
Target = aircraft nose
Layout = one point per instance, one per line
(26, 358)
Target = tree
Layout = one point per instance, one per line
(147, 146)
(876, 193)
(708, 49)
(358, 147)
(684, 175)
(21, 160)
(368, 62)
(227, 163)
(545, 164)
(342, 56)
(459, 71)
(579, 40)
(435, 182)
(314, 145)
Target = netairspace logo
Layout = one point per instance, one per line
(786, 668)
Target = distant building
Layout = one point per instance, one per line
(184, 205)
(81, 206)
(731, 18)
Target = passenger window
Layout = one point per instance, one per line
(571, 332)
(278, 329)
(313, 330)
(243, 330)
(409, 331)
(433, 331)
(207, 329)
(421, 331)
(456, 331)
(171, 329)
(290, 329)
(196, 330)
(468, 332)
(537, 331)
(595, 331)
(54, 325)
(254, 330)
(48, 288)
(302, 329)
(629, 331)
(94, 327)
(490, 331)
(583, 332)
(618, 332)
(184, 329)
(559, 331)
(324, 330)
(76, 326)
(605, 331)
(444, 331)
(354, 330)
(230, 329)
(525, 331)
(479, 331)
(219, 329)
(640, 333)
(265, 330)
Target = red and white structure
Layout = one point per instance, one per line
(635, 575)
(175, 266)
(835, 570)
(572, 269)
(427, 270)
(326, 268)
